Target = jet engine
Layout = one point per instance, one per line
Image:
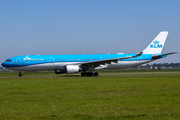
(70, 69)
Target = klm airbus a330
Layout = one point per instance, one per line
(70, 64)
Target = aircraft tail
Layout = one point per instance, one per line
(157, 44)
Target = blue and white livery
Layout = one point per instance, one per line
(70, 64)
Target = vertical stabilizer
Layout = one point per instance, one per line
(157, 44)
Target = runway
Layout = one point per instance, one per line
(88, 76)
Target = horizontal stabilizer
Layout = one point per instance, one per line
(160, 56)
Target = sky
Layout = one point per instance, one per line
(87, 27)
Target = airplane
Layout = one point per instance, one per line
(87, 64)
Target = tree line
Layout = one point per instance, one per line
(162, 65)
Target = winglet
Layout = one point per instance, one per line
(139, 54)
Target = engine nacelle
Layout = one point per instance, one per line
(70, 69)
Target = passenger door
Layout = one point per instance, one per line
(51, 60)
(18, 61)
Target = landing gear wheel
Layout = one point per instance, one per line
(83, 74)
(89, 74)
(20, 75)
(95, 74)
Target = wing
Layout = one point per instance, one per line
(107, 61)
(163, 55)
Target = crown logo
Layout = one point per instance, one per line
(156, 42)
(27, 58)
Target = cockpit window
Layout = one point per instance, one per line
(8, 60)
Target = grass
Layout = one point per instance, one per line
(101, 73)
(101, 98)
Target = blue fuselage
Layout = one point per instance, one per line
(19, 62)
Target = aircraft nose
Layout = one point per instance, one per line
(3, 64)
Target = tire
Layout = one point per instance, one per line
(20, 75)
(89, 74)
(83, 74)
(95, 74)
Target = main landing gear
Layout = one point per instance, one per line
(89, 74)
(20, 74)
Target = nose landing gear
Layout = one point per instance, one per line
(20, 74)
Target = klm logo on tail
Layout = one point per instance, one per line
(156, 45)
